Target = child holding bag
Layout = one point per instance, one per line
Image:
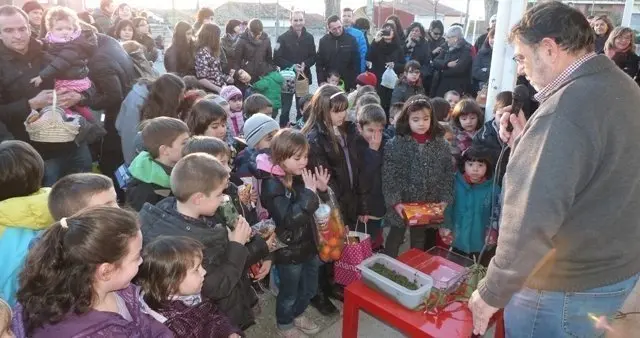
(332, 145)
(289, 194)
(416, 168)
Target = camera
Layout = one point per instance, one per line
(386, 32)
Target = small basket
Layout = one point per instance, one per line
(302, 85)
(49, 126)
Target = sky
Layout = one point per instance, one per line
(315, 6)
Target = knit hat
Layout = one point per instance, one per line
(367, 79)
(31, 6)
(257, 127)
(229, 92)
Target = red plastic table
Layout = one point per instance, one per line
(453, 321)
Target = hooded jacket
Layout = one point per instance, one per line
(470, 213)
(68, 60)
(226, 262)
(21, 220)
(150, 181)
(293, 49)
(102, 323)
(270, 86)
(254, 56)
(341, 54)
(129, 119)
(292, 211)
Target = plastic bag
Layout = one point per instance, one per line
(331, 233)
(389, 78)
(266, 229)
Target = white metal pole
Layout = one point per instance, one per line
(502, 75)
(628, 10)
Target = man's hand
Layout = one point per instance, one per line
(43, 99)
(264, 270)
(517, 121)
(452, 64)
(437, 50)
(68, 98)
(390, 65)
(482, 313)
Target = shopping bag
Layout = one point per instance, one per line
(330, 232)
(357, 249)
(302, 85)
(389, 78)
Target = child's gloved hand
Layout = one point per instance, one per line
(446, 235)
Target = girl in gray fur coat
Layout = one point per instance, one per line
(416, 168)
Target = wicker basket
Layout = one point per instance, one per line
(49, 126)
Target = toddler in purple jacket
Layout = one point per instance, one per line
(77, 280)
(171, 277)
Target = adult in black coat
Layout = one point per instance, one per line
(416, 47)
(112, 73)
(295, 48)
(436, 45)
(21, 59)
(338, 51)
(482, 63)
(385, 53)
(453, 67)
(253, 51)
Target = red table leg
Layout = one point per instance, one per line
(350, 316)
(500, 332)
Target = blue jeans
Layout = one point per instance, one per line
(298, 284)
(76, 161)
(535, 313)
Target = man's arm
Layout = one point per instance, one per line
(546, 170)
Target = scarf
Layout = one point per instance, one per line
(468, 179)
(421, 138)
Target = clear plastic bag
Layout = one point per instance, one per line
(331, 233)
(389, 78)
(266, 229)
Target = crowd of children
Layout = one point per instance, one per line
(188, 261)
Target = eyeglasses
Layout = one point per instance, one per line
(519, 59)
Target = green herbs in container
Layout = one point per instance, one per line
(394, 276)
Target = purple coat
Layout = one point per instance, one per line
(99, 323)
(200, 321)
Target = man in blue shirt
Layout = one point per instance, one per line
(347, 22)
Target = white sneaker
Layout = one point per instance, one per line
(291, 333)
(306, 325)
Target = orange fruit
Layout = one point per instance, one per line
(324, 257)
(326, 250)
(335, 254)
(333, 242)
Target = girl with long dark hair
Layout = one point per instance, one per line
(180, 56)
(211, 63)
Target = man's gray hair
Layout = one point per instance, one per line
(454, 32)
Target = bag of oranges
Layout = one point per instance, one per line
(330, 233)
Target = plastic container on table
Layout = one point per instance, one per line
(410, 299)
(448, 269)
